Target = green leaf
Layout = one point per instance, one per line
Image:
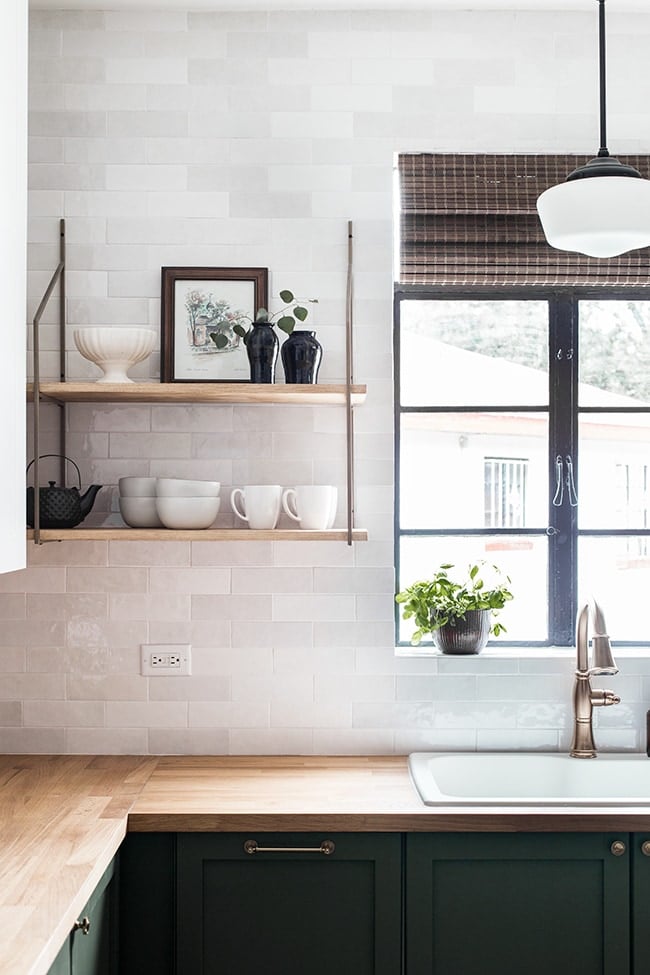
(262, 315)
(473, 572)
(287, 323)
(300, 313)
(287, 297)
(219, 339)
(240, 330)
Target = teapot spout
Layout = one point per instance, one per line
(88, 498)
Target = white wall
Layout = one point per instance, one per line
(250, 139)
(13, 206)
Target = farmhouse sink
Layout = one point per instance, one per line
(530, 779)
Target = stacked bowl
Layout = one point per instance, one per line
(138, 502)
(185, 504)
(168, 502)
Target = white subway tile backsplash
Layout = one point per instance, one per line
(63, 714)
(34, 741)
(187, 741)
(229, 714)
(276, 741)
(152, 714)
(250, 138)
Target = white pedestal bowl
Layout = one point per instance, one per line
(114, 349)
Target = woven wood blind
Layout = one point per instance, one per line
(471, 220)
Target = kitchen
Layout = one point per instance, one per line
(211, 137)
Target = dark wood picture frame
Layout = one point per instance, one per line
(196, 301)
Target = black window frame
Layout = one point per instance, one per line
(563, 411)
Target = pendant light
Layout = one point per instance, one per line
(603, 207)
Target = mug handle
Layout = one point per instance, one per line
(233, 504)
(290, 493)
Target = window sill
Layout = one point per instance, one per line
(640, 651)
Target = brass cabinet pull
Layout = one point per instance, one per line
(83, 925)
(645, 848)
(618, 848)
(327, 847)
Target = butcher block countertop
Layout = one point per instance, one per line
(63, 819)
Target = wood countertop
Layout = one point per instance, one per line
(63, 819)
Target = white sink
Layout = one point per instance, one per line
(530, 779)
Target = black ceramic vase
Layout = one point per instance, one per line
(262, 348)
(468, 635)
(301, 356)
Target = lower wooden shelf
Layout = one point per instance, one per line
(205, 535)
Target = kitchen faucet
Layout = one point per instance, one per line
(585, 698)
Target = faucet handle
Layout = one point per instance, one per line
(603, 661)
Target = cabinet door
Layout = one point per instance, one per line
(640, 903)
(61, 964)
(504, 904)
(146, 902)
(289, 912)
(95, 952)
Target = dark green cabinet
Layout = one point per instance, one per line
(287, 910)
(640, 853)
(467, 904)
(91, 948)
(503, 904)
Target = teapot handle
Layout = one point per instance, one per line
(69, 460)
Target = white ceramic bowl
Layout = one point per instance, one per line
(114, 349)
(137, 487)
(187, 513)
(177, 487)
(140, 512)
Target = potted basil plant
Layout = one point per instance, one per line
(458, 614)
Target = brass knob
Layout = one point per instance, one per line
(645, 848)
(618, 848)
(83, 925)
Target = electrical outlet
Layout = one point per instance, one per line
(163, 659)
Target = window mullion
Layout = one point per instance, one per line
(563, 440)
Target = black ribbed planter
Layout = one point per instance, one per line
(464, 636)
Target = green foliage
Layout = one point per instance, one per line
(285, 319)
(432, 603)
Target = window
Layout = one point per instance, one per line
(505, 491)
(523, 397)
(523, 438)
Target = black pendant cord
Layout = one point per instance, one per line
(603, 151)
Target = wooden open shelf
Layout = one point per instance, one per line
(304, 395)
(206, 535)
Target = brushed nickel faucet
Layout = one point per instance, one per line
(585, 698)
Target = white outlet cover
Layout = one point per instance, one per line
(183, 651)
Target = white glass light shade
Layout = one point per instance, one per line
(601, 216)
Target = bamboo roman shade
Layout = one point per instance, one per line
(471, 220)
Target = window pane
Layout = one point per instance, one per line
(473, 470)
(617, 572)
(523, 558)
(455, 353)
(614, 486)
(614, 353)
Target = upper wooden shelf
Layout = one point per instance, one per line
(306, 395)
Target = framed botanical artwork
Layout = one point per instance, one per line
(199, 303)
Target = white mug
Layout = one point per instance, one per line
(261, 504)
(314, 505)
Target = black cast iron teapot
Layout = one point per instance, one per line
(60, 507)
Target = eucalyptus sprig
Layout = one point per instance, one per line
(286, 319)
(432, 603)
